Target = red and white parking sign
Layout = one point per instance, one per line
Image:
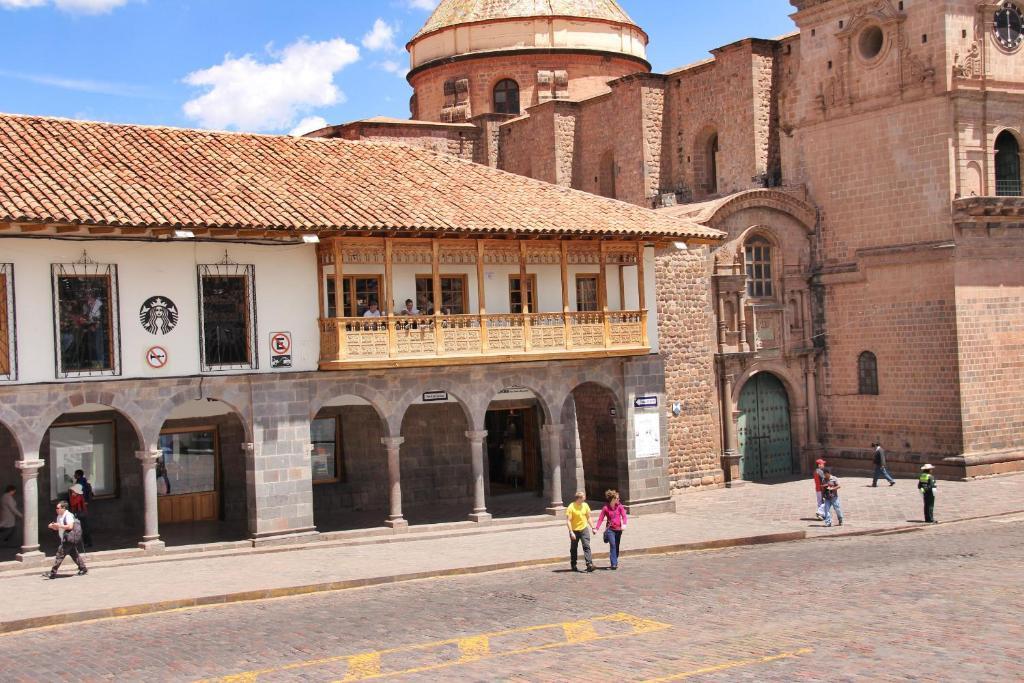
(281, 343)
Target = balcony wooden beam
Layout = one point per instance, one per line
(481, 292)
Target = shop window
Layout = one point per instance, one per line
(87, 447)
(587, 293)
(453, 294)
(506, 97)
(759, 268)
(86, 318)
(327, 463)
(515, 293)
(227, 317)
(188, 463)
(1007, 165)
(867, 374)
(367, 289)
(6, 321)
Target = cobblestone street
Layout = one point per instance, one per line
(932, 604)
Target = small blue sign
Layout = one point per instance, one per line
(645, 402)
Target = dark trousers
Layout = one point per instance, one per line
(929, 507)
(64, 549)
(577, 538)
(6, 534)
(880, 472)
(614, 543)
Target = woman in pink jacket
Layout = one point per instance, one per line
(615, 513)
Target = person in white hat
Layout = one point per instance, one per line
(926, 484)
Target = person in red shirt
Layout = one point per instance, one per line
(819, 476)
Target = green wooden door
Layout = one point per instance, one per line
(764, 430)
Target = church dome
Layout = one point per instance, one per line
(455, 12)
(462, 28)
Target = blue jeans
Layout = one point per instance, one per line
(614, 541)
(829, 504)
(882, 472)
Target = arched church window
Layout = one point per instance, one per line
(506, 97)
(759, 268)
(1007, 165)
(713, 164)
(867, 374)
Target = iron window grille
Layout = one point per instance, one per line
(867, 374)
(86, 319)
(8, 336)
(227, 317)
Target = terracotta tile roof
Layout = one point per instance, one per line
(62, 171)
(455, 12)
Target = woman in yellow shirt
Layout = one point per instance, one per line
(577, 518)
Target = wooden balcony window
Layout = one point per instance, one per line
(449, 334)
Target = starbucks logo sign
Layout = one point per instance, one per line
(158, 315)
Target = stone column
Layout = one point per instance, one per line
(812, 403)
(553, 450)
(151, 537)
(731, 454)
(30, 553)
(393, 444)
(476, 447)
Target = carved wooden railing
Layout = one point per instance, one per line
(421, 337)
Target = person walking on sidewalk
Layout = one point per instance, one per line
(880, 470)
(615, 514)
(69, 531)
(926, 484)
(819, 477)
(9, 514)
(830, 493)
(577, 517)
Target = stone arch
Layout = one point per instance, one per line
(68, 402)
(401, 404)
(324, 392)
(1007, 162)
(803, 212)
(591, 426)
(155, 425)
(544, 399)
(782, 373)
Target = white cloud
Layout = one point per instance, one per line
(423, 4)
(308, 125)
(72, 6)
(251, 95)
(81, 84)
(393, 67)
(380, 37)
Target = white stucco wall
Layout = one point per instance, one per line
(285, 277)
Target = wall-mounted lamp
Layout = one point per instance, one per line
(184, 235)
(680, 246)
(311, 239)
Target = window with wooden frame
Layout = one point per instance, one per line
(86, 323)
(327, 464)
(7, 336)
(227, 317)
(515, 293)
(867, 374)
(90, 447)
(454, 297)
(587, 292)
(367, 289)
(189, 461)
(759, 268)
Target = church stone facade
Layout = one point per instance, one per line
(866, 172)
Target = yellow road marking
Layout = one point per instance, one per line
(369, 665)
(735, 664)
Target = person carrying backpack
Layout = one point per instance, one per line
(69, 531)
(80, 497)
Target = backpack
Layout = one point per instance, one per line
(78, 503)
(87, 491)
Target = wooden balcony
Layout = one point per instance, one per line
(398, 341)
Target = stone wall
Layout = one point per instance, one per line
(686, 333)
(365, 484)
(436, 464)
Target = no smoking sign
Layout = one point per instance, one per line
(156, 357)
(281, 350)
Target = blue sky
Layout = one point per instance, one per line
(272, 65)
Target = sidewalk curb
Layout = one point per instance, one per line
(11, 627)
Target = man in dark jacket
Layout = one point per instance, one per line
(880, 470)
(82, 514)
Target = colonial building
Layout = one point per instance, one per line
(866, 172)
(255, 338)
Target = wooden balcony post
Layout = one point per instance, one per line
(339, 298)
(320, 280)
(566, 320)
(481, 293)
(389, 294)
(602, 294)
(641, 293)
(524, 288)
(435, 264)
